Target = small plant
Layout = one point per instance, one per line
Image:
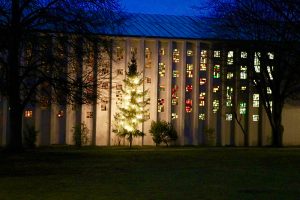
(163, 131)
(29, 136)
(80, 135)
(210, 138)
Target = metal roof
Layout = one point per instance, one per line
(165, 26)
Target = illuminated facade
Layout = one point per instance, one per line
(197, 84)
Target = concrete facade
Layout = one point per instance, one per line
(197, 85)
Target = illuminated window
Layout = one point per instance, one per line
(162, 69)
(162, 88)
(229, 75)
(28, 113)
(174, 116)
(89, 115)
(216, 89)
(217, 71)
(228, 117)
(271, 55)
(202, 99)
(202, 81)
(255, 118)
(269, 91)
(189, 70)
(229, 93)
(160, 105)
(188, 105)
(175, 56)
(174, 101)
(189, 88)
(162, 52)
(120, 53)
(216, 106)
(60, 114)
(175, 73)
(189, 67)
(257, 62)
(217, 54)
(174, 95)
(230, 58)
(256, 100)
(147, 58)
(270, 69)
(243, 54)
(243, 88)
(243, 74)
(203, 60)
(271, 105)
(243, 108)
(202, 116)
(189, 53)
(203, 67)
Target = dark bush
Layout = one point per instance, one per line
(162, 132)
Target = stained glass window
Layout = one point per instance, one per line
(230, 58)
(243, 108)
(160, 105)
(176, 56)
(202, 99)
(188, 105)
(189, 70)
(255, 118)
(256, 100)
(216, 71)
(228, 117)
(162, 69)
(243, 74)
(217, 54)
(216, 105)
(202, 116)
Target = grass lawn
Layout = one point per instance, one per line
(150, 173)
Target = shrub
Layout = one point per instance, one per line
(162, 131)
(29, 136)
(80, 135)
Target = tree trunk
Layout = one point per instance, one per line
(130, 140)
(277, 134)
(246, 139)
(15, 125)
(277, 128)
(13, 90)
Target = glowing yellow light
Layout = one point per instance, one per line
(140, 100)
(139, 116)
(136, 81)
(128, 128)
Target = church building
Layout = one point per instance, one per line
(196, 79)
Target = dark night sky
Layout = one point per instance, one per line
(171, 7)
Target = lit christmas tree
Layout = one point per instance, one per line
(133, 110)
